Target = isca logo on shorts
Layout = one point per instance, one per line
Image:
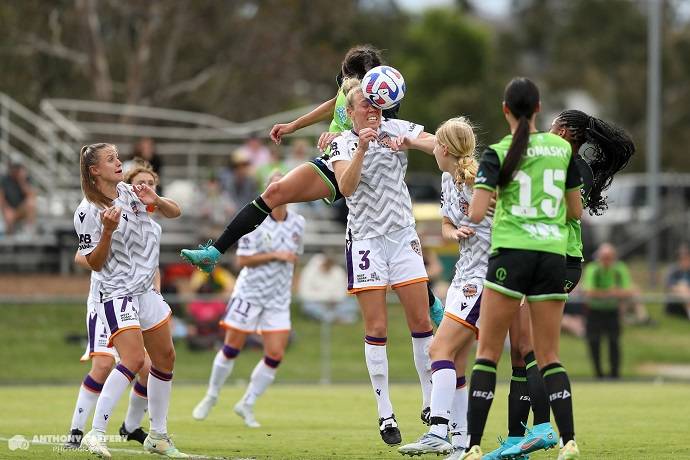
(17, 442)
(501, 274)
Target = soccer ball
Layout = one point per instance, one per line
(383, 86)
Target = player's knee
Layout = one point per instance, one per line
(101, 368)
(439, 351)
(274, 193)
(274, 356)
(377, 329)
(134, 362)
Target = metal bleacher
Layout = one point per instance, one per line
(190, 143)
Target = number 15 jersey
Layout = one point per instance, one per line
(531, 209)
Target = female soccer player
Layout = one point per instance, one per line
(260, 303)
(608, 150)
(382, 246)
(533, 173)
(455, 154)
(121, 242)
(309, 181)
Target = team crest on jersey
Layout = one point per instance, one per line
(385, 140)
(135, 208)
(464, 206)
(469, 290)
(295, 237)
(416, 247)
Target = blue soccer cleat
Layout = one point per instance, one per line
(436, 311)
(540, 437)
(505, 444)
(206, 257)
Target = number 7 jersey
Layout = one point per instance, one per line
(531, 209)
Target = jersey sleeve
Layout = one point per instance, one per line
(573, 178)
(489, 168)
(404, 128)
(88, 228)
(250, 244)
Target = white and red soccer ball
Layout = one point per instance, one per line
(383, 86)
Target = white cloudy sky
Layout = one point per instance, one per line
(489, 7)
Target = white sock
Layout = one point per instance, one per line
(88, 395)
(442, 395)
(458, 418)
(377, 365)
(116, 384)
(422, 361)
(262, 376)
(138, 404)
(159, 389)
(222, 368)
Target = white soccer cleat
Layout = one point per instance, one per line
(94, 442)
(428, 444)
(202, 409)
(247, 413)
(161, 444)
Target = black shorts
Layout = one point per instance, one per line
(573, 272)
(328, 177)
(537, 275)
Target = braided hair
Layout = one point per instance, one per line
(608, 150)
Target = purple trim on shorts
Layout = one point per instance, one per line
(443, 364)
(348, 260)
(473, 315)
(160, 375)
(91, 331)
(109, 308)
(92, 385)
(422, 335)
(126, 372)
(140, 389)
(270, 362)
(375, 340)
(460, 382)
(229, 352)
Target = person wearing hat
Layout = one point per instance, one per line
(18, 199)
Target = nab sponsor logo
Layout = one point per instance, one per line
(483, 394)
(565, 394)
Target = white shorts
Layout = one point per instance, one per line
(248, 317)
(146, 311)
(97, 335)
(462, 304)
(389, 260)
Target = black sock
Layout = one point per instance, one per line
(561, 399)
(536, 390)
(518, 403)
(481, 395)
(249, 217)
(432, 297)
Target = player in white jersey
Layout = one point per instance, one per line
(260, 303)
(382, 246)
(121, 242)
(455, 154)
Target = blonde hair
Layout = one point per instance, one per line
(140, 167)
(89, 156)
(457, 135)
(350, 87)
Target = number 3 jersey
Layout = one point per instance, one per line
(474, 251)
(270, 284)
(531, 210)
(134, 250)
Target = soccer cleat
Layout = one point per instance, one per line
(93, 442)
(505, 444)
(247, 413)
(426, 416)
(475, 453)
(138, 435)
(539, 437)
(206, 257)
(390, 433)
(569, 452)
(202, 409)
(427, 444)
(161, 444)
(436, 311)
(74, 439)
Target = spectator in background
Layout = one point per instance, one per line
(606, 285)
(274, 164)
(256, 151)
(215, 207)
(237, 181)
(321, 289)
(299, 153)
(145, 151)
(18, 200)
(678, 285)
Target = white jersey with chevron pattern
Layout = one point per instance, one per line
(474, 251)
(134, 249)
(381, 203)
(270, 285)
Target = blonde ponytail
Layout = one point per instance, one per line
(350, 87)
(457, 135)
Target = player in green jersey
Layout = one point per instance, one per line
(538, 184)
(607, 150)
